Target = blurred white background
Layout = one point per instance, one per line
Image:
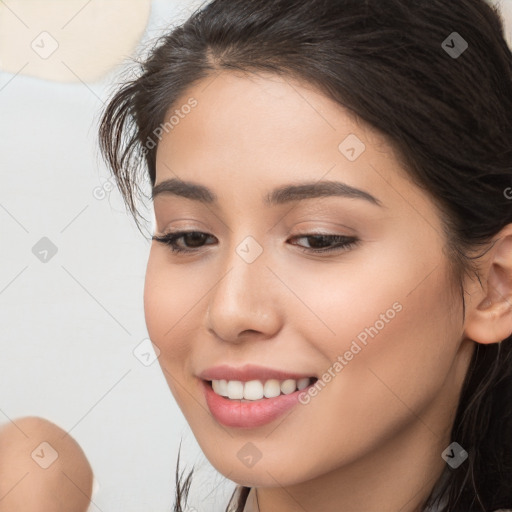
(72, 319)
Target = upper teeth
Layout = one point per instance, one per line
(256, 390)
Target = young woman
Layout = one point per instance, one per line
(330, 281)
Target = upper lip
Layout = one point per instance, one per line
(247, 373)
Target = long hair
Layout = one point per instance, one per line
(435, 78)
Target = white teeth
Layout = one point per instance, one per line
(302, 383)
(288, 386)
(253, 390)
(272, 388)
(220, 387)
(235, 389)
(256, 390)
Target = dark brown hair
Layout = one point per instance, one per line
(448, 116)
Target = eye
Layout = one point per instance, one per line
(323, 243)
(195, 239)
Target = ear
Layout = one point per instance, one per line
(489, 315)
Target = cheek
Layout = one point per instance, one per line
(396, 293)
(396, 328)
(169, 301)
(398, 351)
(398, 306)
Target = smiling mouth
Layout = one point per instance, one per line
(258, 390)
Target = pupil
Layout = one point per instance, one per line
(317, 241)
(199, 237)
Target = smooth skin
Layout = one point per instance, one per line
(371, 440)
(65, 485)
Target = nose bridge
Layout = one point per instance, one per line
(244, 297)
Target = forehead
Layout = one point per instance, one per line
(260, 113)
(263, 116)
(256, 132)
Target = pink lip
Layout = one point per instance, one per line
(248, 372)
(235, 413)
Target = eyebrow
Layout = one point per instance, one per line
(281, 195)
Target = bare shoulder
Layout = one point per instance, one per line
(42, 468)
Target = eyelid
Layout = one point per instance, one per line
(327, 227)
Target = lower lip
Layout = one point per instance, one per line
(235, 413)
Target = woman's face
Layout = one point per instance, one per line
(379, 316)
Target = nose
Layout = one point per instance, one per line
(245, 301)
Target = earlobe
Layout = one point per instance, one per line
(489, 318)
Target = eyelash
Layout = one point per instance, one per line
(346, 243)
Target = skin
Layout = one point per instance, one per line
(371, 440)
(65, 485)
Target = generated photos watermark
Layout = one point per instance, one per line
(356, 347)
(170, 124)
